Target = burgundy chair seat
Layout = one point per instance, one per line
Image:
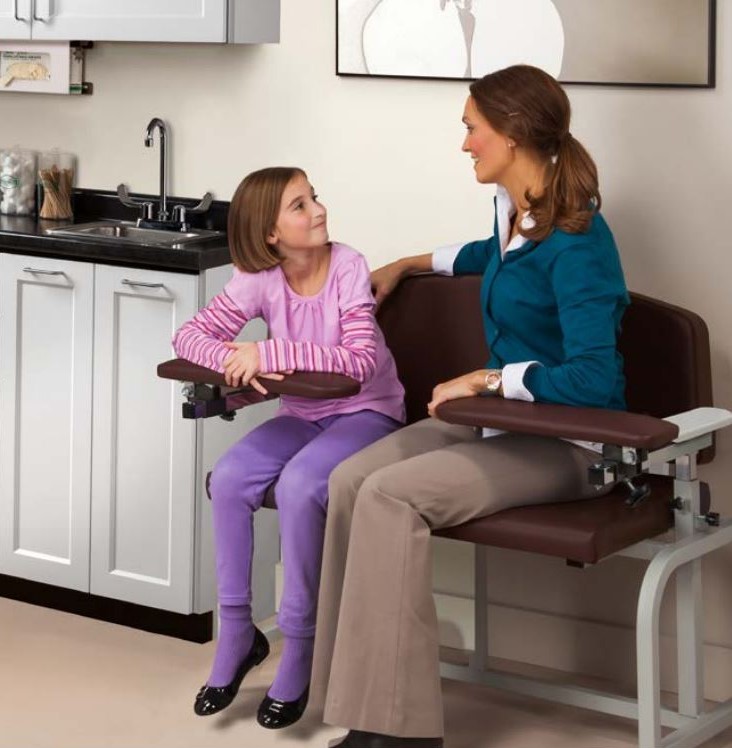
(582, 532)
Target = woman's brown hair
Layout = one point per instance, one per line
(527, 105)
(253, 214)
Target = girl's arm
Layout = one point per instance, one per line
(202, 339)
(354, 357)
(355, 354)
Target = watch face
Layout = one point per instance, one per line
(493, 382)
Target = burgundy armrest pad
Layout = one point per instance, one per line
(315, 385)
(586, 424)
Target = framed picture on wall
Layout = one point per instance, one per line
(668, 43)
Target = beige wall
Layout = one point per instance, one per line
(385, 157)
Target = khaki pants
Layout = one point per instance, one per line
(376, 664)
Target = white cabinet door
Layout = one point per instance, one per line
(131, 20)
(46, 308)
(144, 460)
(15, 19)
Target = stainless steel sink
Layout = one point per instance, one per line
(127, 232)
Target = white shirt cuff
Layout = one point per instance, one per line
(513, 381)
(443, 258)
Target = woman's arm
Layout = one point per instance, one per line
(457, 259)
(387, 278)
(591, 297)
(203, 339)
(467, 385)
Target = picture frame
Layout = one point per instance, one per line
(635, 43)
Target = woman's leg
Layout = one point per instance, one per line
(384, 676)
(238, 484)
(345, 482)
(302, 496)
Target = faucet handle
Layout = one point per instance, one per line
(125, 199)
(203, 206)
(180, 212)
(146, 208)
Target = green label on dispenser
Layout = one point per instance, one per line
(9, 182)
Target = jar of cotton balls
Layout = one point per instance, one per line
(17, 182)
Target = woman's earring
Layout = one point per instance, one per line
(511, 144)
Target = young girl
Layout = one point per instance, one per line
(315, 296)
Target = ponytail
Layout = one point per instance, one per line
(571, 196)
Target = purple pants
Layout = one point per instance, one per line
(300, 456)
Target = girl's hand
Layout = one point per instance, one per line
(468, 385)
(259, 387)
(242, 364)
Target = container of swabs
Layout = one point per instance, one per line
(55, 184)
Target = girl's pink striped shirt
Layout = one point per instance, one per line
(333, 331)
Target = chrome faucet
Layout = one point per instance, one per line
(156, 122)
(180, 218)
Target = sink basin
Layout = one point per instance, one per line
(127, 232)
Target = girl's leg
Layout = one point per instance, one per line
(302, 496)
(238, 485)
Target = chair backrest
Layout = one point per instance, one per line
(433, 326)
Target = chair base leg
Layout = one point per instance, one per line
(690, 730)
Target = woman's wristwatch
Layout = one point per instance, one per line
(493, 381)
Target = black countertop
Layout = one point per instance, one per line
(25, 235)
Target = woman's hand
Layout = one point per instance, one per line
(468, 385)
(386, 279)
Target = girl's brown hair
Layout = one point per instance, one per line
(527, 105)
(253, 215)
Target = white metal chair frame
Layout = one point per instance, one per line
(693, 540)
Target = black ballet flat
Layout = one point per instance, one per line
(275, 714)
(212, 699)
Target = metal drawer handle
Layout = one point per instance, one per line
(35, 16)
(126, 282)
(37, 271)
(15, 13)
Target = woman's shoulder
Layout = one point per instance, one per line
(593, 252)
(597, 235)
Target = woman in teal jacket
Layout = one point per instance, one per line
(552, 298)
